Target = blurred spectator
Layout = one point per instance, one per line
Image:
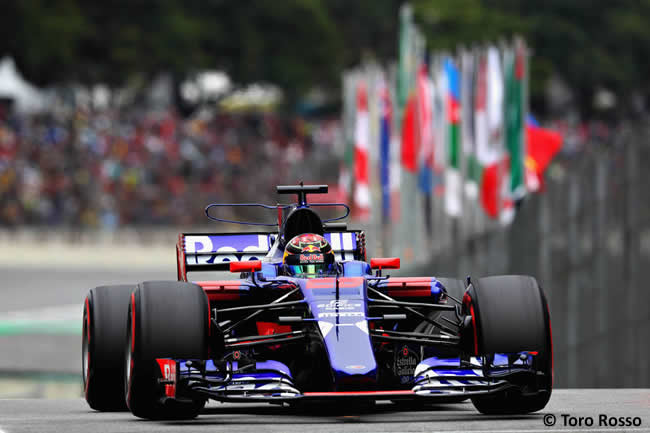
(111, 168)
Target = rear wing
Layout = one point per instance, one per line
(214, 252)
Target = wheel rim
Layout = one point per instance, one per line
(85, 352)
(129, 360)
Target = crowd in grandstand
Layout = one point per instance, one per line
(128, 167)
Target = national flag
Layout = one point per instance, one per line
(346, 167)
(394, 176)
(490, 149)
(483, 156)
(515, 115)
(344, 183)
(361, 138)
(409, 152)
(492, 182)
(453, 181)
(541, 146)
(404, 156)
(405, 67)
(424, 129)
(439, 124)
(467, 124)
(384, 149)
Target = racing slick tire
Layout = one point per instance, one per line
(102, 346)
(166, 319)
(510, 314)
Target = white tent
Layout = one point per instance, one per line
(28, 99)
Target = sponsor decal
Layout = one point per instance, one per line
(224, 248)
(405, 362)
(168, 370)
(312, 258)
(355, 367)
(341, 304)
(243, 247)
(342, 314)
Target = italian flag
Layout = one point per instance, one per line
(488, 126)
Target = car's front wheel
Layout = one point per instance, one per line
(510, 315)
(166, 319)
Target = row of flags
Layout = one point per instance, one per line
(458, 124)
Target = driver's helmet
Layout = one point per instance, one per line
(308, 255)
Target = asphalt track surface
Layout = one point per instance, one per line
(41, 313)
(74, 416)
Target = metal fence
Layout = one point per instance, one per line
(586, 239)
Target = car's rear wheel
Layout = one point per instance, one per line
(510, 315)
(166, 319)
(102, 346)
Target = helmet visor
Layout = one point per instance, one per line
(311, 270)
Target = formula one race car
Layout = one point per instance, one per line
(308, 320)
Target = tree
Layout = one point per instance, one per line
(301, 43)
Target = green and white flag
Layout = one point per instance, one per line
(472, 169)
(515, 118)
(406, 64)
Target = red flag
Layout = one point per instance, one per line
(409, 146)
(490, 190)
(543, 145)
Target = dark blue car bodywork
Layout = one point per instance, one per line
(354, 334)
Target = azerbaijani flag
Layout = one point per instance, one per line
(453, 181)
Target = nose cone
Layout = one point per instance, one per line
(350, 351)
(339, 305)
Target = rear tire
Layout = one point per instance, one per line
(166, 319)
(104, 331)
(510, 316)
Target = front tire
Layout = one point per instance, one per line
(511, 315)
(166, 319)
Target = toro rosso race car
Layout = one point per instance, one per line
(310, 319)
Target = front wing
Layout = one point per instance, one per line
(271, 381)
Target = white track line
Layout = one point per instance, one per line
(50, 313)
